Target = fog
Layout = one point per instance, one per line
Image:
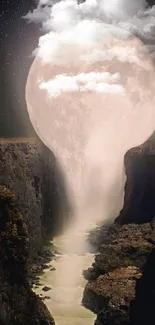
(89, 114)
(90, 97)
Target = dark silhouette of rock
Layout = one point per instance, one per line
(46, 288)
(116, 290)
(142, 307)
(112, 292)
(30, 170)
(18, 304)
(139, 203)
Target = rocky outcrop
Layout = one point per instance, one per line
(112, 294)
(121, 281)
(29, 169)
(115, 285)
(142, 307)
(18, 304)
(139, 202)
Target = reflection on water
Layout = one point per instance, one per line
(67, 282)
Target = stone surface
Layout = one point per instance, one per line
(18, 304)
(121, 280)
(139, 203)
(112, 290)
(29, 170)
(46, 288)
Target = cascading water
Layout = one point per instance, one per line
(90, 97)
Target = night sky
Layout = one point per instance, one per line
(18, 39)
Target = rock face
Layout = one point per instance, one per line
(112, 293)
(139, 203)
(116, 284)
(121, 281)
(18, 304)
(142, 308)
(31, 172)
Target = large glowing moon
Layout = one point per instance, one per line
(90, 112)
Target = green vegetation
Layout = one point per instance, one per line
(116, 261)
(19, 172)
(127, 261)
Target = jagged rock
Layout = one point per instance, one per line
(121, 287)
(115, 273)
(112, 316)
(46, 297)
(142, 307)
(101, 235)
(46, 288)
(91, 273)
(139, 203)
(126, 246)
(18, 304)
(47, 253)
(29, 169)
(114, 290)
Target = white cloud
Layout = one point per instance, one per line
(67, 46)
(78, 36)
(92, 81)
(124, 54)
(68, 24)
(38, 15)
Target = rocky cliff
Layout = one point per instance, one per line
(139, 201)
(18, 304)
(120, 287)
(30, 171)
(121, 281)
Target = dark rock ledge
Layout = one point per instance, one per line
(117, 274)
(121, 281)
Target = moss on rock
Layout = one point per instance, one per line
(13, 239)
(18, 304)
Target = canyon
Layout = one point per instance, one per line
(125, 247)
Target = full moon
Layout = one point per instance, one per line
(90, 111)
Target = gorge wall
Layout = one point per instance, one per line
(139, 200)
(121, 281)
(18, 304)
(33, 208)
(30, 171)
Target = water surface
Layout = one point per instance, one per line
(67, 282)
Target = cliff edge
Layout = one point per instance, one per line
(29, 169)
(139, 203)
(121, 281)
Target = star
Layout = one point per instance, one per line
(17, 41)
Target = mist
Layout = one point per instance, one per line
(101, 77)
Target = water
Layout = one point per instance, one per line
(67, 282)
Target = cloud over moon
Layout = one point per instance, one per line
(90, 90)
(69, 22)
(102, 82)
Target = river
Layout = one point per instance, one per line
(66, 281)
